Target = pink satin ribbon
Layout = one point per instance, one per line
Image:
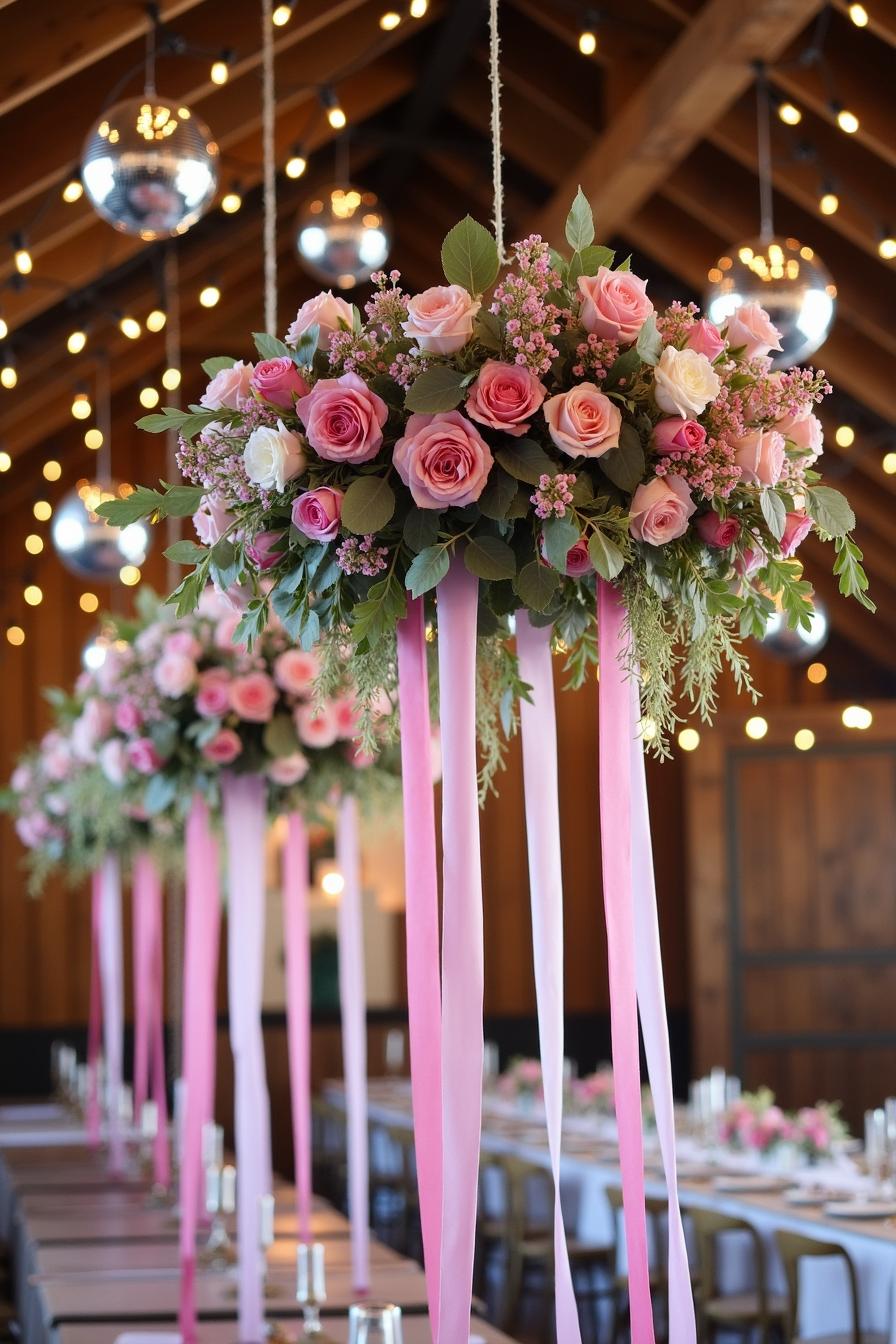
(297, 947)
(422, 936)
(462, 950)
(149, 1028)
(201, 938)
(616, 853)
(95, 1019)
(245, 823)
(539, 738)
(353, 1008)
(112, 979)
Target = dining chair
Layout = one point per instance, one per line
(329, 1160)
(657, 1211)
(756, 1310)
(793, 1249)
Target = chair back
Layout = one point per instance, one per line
(792, 1247)
(709, 1225)
(525, 1183)
(657, 1211)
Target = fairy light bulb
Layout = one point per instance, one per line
(231, 201)
(81, 408)
(689, 739)
(587, 42)
(335, 115)
(804, 739)
(844, 436)
(22, 257)
(129, 575)
(756, 728)
(43, 511)
(889, 464)
(296, 165)
(130, 327)
(418, 8)
(829, 203)
(52, 470)
(5, 461)
(171, 379)
(281, 15)
(93, 439)
(8, 375)
(209, 296)
(846, 120)
(155, 320)
(33, 595)
(857, 716)
(34, 544)
(76, 342)
(886, 246)
(790, 114)
(859, 15)
(15, 635)
(72, 191)
(4, 328)
(88, 602)
(149, 397)
(390, 20)
(220, 72)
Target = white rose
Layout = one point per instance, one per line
(113, 761)
(685, 382)
(325, 311)
(273, 456)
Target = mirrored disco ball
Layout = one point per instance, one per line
(150, 167)
(343, 235)
(89, 546)
(789, 281)
(796, 646)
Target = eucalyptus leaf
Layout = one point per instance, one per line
(606, 556)
(438, 388)
(625, 465)
(490, 558)
(773, 512)
(649, 344)
(470, 256)
(525, 460)
(498, 495)
(186, 553)
(421, 529)
(426, 570)
(830, 510)
(368, 505)
(588, 262)
(269, 347)
(580, 223)
(305, 350)
(212, 366)
(536, 585)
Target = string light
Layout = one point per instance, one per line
(149, 397)
(76, 342)
(129, 575)
(72, 191)
(4, 328)
(88, 602)
(231, 200)
(846, 120)
(130, 327)
(844, 436)
(587, 42)
(296, 164)
(829, 202)
(8, 375)
(790, 114)
(155, 321)
(282, 15)
(857, 716)
(889, 464)
(93, 439)
(756, 728)
(418, 8)
(335, 115)
(21, 255)
(804, 739)
(689, 739)
(886, 244)
(81, 407)
(52, 470)
(209, 295)
(34, 544)
(5, 461)
(33, 595)
(859, 15)
(15, 635)
(816, 673)
(171, 379)
(42, 511)
(389, 21)
(220, 71)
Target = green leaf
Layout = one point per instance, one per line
(560, 535)
(160, 792)
(280, 737)
(649, 344)
(212, 366)
(470, 257)
(774, 513)
(525, 460)
(848, 568)
(588, 262)
(580, 223)
(489, 330)
(490, 558)
(498, 495)
(176, 501)
(421, 529)
(830, 510)
(269, 347)
(426, 570)
(606, 556)
(368, 505)
(304, 351)
(536, 585)
(625, 465)
(625, 367)
(186, 553)
(187, 423)
(225, 564)
(383, 607)
(438, 388)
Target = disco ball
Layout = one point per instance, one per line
(343, 235)
(789, 281)
(150, 167)
(796, 646)
(89, 546)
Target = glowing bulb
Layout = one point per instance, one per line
(845, 436)
(23, 260)
(5, 461)
(804, 739)
(756, 728)
(332, 884)
(857, 716)
(129, 575)
(149, 397)
(282, 15)
(93, 439)
(8, 376)
(859, 15)
(817, 673)
(76, 342)
(296, 165)
(171, 379)
(220, 72)
(42, 511)
(88, 602)
(34, 544)
(689, 739)
(4, 328)
(130, 327)
(389, 21)
(887, 247)
(587, 42)
(81, 408)
(418, 8)
(829, 203)
(790, 114)
(889, 464)
(15, 635)
(647, 729)
(155, 320)
(52, 470)
(72, 191)
(209, 296)
(336, 117)
(231, 202)
(847, 121)
(33, 595)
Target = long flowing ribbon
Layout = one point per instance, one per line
(655, 1032)
(616, 854)
(201, 938)
(353, 1008)
(245, 822)
(298, 1008)
(539, 737)
(112, 977)
(422, 936)
(95, 1018)
(462, 950)
(149, 1030)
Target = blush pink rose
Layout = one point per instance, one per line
(750, 326)
(93, 724)
(583, 422)
(343, 419)
(225, 630)
(223, 748)
(278, 381)
(128, 718)
(229, 388)
(143, 755)
(265, 549)
(505, 396)
(760, 456)
(805, 431)
(678, 436)
(253, 697)
(718, 532)
(20, 779)
(440, 320)
(288, 770)
(660, 510)
(174, 674)
(578, 561)
(346, 713)
(317, 727)
(213, 697)
(55, 757)
(443, 460)
(705, 338)
(797, 526)
(295, 671)
(185, 642)
(614, 304)
(212, 519)
(326, 312)
(317, 513)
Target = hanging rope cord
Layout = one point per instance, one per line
(497, 166)
(268, 120)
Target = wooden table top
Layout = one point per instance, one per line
(137, 1224)
(99, 1259)
(414, 1328)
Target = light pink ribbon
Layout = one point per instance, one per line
(353, 1009)
(421, 881)
(95, 1019)
(245, 823)
(462, 950)
(112, 977)
(149, 1027)
(539, 736)
(298, 1008)
(201, 938)
(655, 1031)
(616, 854)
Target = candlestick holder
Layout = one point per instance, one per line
(219, 1253)
(311, 1290)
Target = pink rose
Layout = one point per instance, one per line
(184, 642)
(660, 510)
(229, 388)
(113, 760)
(213, 697)
(326, 312)
(94, 723)
(316, 727)
(751, 559)
(295, 671)
(805, 431)
(678, 436)
(223, 748)
(174, 674)
(505, 396)
(614, 304)
(288, 770)
(440, 319)
(253, 697)
(128, 718)
(266, 548)
(797, 527)
(212, 519)
(343, 419)
(56, 757)
(226, 629)
(760, 456)
(718, 532)
(750, 326)
(317, 513)
(705, 338)
(443, 460)
(345, 712)
(278, 381)
(583, 422)
(110, 670)
(578, 561)
(20, 779)
(143, 755)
